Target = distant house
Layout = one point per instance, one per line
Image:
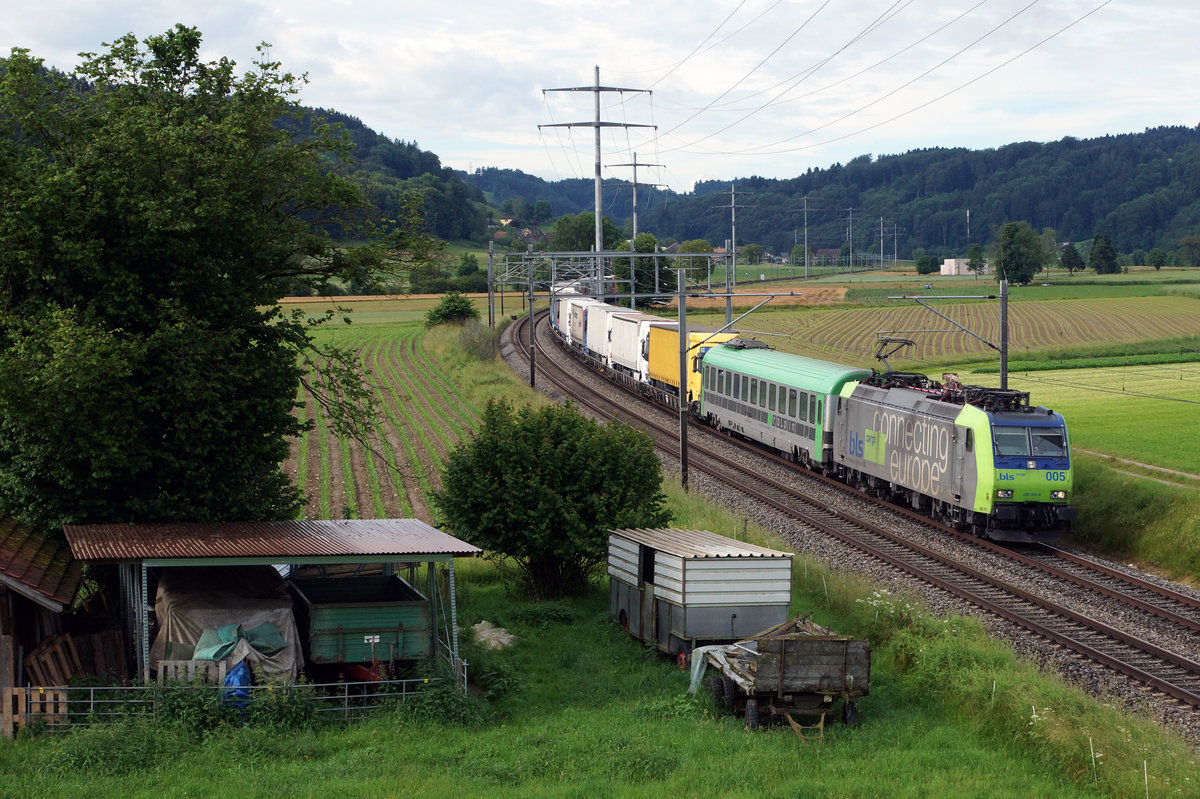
(958, 266)
(532, 235)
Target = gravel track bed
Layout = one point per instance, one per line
(1101, 683)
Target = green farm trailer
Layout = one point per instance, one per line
(364, 618)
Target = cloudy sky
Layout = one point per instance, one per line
(736, 87)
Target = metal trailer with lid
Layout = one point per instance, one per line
(678, 589)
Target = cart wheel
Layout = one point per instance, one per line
(729, 688)
(849, 713)
(752, 714)
(717, 690)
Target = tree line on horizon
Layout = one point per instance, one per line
(1140, 191)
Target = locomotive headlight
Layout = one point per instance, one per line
(1004, 493)
(1058, 495)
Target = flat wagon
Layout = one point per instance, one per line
(794, 669)
(360, 619)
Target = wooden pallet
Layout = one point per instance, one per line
(54, 662)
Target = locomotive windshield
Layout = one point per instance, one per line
(1044, 442)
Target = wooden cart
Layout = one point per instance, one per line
(795, 669)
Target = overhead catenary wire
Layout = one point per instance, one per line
(764, 149)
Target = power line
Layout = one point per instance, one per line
(762, 148)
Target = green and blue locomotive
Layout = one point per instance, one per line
(976, 458)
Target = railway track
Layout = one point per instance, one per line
(1175, 616)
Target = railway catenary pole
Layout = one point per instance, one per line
(1003, 332)
(1003, 346)
(532, 356)
(491, 272)
(681, 281)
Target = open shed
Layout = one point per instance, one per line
(395, 544)
(681, 588)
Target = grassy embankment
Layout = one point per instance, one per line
(575, 708)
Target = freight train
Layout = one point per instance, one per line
(979, 459)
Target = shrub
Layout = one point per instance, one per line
(454, 307)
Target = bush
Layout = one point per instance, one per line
(454, 307)
(479, 341)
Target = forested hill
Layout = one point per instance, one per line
(390, 169)
(1142, 190)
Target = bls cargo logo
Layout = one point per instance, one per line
(869, 446)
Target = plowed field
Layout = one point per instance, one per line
(421, 418)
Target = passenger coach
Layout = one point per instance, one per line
(775, 398)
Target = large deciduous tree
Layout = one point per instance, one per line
(578, 233)
(544, 486)
(153, 209)
(1019, 253)
(648, 284)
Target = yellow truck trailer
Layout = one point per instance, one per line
(663, 354)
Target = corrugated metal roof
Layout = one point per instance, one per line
(698, 544)
(287, 541)
(38, 566)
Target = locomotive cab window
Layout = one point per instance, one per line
(1049, 442)
(1011, 441)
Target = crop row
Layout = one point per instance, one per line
(394, 469)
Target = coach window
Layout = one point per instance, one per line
(817, 415)
(753, 391)
(803, 407)
(792, 403)
(771, 403)
(720, 379)
(745, 388)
